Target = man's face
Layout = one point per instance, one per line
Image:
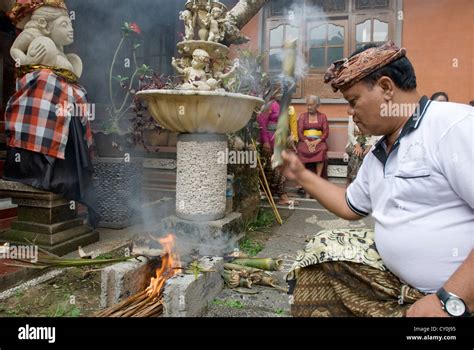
(365, 107)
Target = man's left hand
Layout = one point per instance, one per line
(428, 306)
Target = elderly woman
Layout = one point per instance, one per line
(313, 131)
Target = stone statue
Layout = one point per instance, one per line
(203, 21)
(215, 21)
(218, 71)
(43, 38)
(195, 76)
(189, 23)
(54, 140)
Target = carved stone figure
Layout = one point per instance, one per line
(189, 24)
(43, 38)
(215, 21)
(47, 120)
(195, 76)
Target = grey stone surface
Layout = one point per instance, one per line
(19, 187)
(186, 296)
(205, 238)
(201, 181)
(122, 280)
(160, 163)
(45, 219)
(47, 216)
(67, 246)
(43, 239)
(46, 229)
(40, 203)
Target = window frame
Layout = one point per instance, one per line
(360, 18)
(338, 22)
(272, 24)
(351, 17)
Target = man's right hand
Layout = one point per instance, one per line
(292, 167)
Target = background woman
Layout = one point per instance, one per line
(313, 131)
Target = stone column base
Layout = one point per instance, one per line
(201, 179)
(45, 219)
(205, 238)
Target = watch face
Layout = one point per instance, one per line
(455, 307)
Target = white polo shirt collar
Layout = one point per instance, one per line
(380, 149)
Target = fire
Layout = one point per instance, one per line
(170, 264)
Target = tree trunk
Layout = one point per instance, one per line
(238, 17)
(245, 10)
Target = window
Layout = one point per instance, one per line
(371, 30)
(278, 35)
(329, 5)
(326, 43)
(371, 4)
(328, 31)
(280, 7)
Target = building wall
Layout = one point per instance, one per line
(435, 33)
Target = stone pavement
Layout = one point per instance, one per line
(299, 226)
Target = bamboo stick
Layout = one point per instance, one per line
(266, 189)
(275, 210)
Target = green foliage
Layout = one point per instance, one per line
(229, 303)
(65, 309)
(251, 79)
(279, 311)
(250, 247)
(265, 219)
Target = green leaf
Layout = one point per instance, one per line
(120, 79)
(136, 46)
(75, 312)
(145, 70)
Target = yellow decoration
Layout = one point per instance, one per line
(69, 76)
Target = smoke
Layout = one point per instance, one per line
(97, 26)
(296, 14)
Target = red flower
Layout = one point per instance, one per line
(135, 28)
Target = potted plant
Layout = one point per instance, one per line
(117, 170)
(111, 134)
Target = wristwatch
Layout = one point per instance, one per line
(452, 304)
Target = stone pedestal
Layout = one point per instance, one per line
(201, 177)
(215, 237)
(46, 219)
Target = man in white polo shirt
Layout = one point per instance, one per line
(417, 183)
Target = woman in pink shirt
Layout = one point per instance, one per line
(268, 120)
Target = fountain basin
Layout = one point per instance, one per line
(199, 112)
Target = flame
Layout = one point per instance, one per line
(170, 264)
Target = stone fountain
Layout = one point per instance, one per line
(202, 111)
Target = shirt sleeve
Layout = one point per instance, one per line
(358, 193)
(455, 157)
